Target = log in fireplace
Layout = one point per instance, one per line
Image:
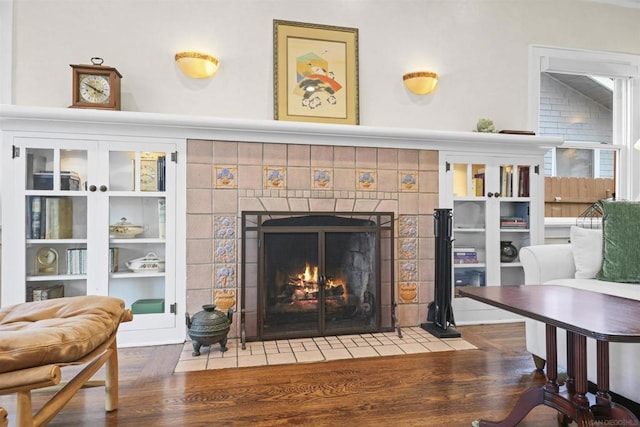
(317, 274)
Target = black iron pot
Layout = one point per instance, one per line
(209, 327)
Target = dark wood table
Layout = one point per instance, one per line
(583, 314)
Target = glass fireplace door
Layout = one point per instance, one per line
(350, 283)
(291, 297)
(318, 282)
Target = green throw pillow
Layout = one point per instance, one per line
(621, 241)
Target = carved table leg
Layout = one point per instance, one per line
(552, 359)
(605, 409)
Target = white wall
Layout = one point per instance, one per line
(479, 47)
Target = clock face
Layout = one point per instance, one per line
(94, 88)
(47, 256)
(147, 174)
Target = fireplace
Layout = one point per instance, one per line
(320, 273)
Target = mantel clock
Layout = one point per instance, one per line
(96, 86)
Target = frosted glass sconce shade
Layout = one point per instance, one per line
(421, 82)
(197, 65)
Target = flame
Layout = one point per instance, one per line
(307, 276)
(308, 281)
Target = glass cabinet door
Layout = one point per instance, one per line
(137, 243)
(55, 200)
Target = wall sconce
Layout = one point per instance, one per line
(421, 82)
(197, 65)
(637, 145)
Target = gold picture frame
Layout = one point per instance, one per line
(315, 73)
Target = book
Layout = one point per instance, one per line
(58, 218)
(114, 255)
(162, 218)
(36, 211)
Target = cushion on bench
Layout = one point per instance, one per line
(56, 331)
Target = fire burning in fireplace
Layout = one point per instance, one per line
(306, 286)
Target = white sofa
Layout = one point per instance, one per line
(574, 265)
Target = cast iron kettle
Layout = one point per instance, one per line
(208, 327)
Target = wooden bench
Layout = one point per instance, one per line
(38, 338)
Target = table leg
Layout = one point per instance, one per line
(571, 372)
(552, 359)
(602, 358)
(580, 366)
(605, 409)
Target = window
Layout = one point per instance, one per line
(586, 98)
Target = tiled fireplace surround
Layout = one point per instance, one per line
(226, 178)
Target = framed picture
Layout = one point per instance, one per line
(315, 73)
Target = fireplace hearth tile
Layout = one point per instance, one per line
(309, 356)
(281, 359)
(253, 360)
(307, 350)
(388, 350)
(357, 352)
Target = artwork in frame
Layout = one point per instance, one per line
(315, 73)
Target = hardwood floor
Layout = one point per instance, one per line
(428, 389)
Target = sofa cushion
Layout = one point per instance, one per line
(586, 245)
(621, 241)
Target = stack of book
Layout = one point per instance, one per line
(77, 261)
(515, 222)
(465, 256)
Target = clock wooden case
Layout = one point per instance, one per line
(96, 86)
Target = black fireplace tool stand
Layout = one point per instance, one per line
(440, 313)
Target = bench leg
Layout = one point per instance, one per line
(111, 380)
(24, 410)
(4, 422)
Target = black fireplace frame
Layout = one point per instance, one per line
(253, 228)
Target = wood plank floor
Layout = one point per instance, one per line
(428, 389)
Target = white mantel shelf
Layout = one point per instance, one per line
(13, 118)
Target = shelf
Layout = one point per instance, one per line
(137, 240)
(56, 241)
(510, 264)
(470, 265)
(48, 278)
(130, 274)
(469, 230)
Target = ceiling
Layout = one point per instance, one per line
(587, 87)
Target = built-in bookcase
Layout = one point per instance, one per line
(84, 211)
(496, 201)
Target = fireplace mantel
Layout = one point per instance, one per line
(266, 131)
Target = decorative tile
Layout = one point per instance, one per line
(225, 177)
(408, 249)
(408, 292)
(225, 276)
(274, 178)
(224, 227)
(408, 271)
(224, 299)
(408, 181)
(322, 179)
(408, 225)
(366, 180)
(224, 251)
